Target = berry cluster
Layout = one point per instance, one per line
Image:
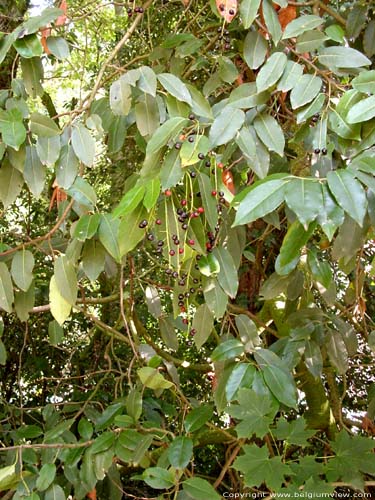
(323, 151)
(136, 10)
(224, 41)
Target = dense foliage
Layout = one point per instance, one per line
(186, 275)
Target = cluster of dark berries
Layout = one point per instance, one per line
(223, 39)
(136, 10)
(323, 151)
(314, 120)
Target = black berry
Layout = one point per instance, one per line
(191, 139)
(178, 145)
(324, 151)
(316, 151)
(191, 116)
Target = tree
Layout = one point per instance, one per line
(186, 278)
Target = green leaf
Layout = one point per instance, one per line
(369, 39)
(150, 377)
(292, 73)
(46, 476)
(34, 172)
(147, 115)
(55, 332)
(301, 24)
(190, 150)
(271, 72)
(198, 417)
(174, 86)
(362, 111)
(310, 41)
(147, 80)
(342, 57)
(24, 302)
(295, 238)
(3, 360)
(337, 352)
(83, 144)
(66, 279)
(256, 412)
(93, 258)
(200, 489)
(120, 97)
(170, 129)
(152, 194)
(248, 331)
(66, 167)
(12, 129)
(305, 90)
(226, 125)
(271, 20)
(209, 202)
(55, 492)
(200, 105)
(203, 323)
(241, 376)
(313, 358)
(215, 298)
(85, 429)
(11, 182)
(208, 265)
(258, 467)
(364, 82)
(86, 227)
(270, 133)
(227, 276)
(32, 72)
(171, 172)
(130, 200)
(356, 20)
(331, 216)
(349, 194)
(129, 232)
(22, 269)
(227, 350)
(83, 193)
(58, 47)
(254, 49)
(48, 15)
(108, 235)
(6, 289)
(305, 198)
(246, 96)
(43, 125)
(262, 198)
(103, 442)
(158, 478)
(168, 333)
(180, 452)
(338, 124)
(134, 404)
(28, 46)
(60, 308)
(310, 110)
(248, 11)
(293, 432)
(48, 149)
(227, 70)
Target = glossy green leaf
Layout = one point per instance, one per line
(248, 331)
(292, 73)
(281, 385)
(261, 199)
(342, 57)
(66, 279)
(6, 289)
(349, 194)
(215, 298)
(229, 349)
(66, 167)
(337, 352)
(108, 235)
(314, 107)
(46, 476)
(12, 129)
(60, 308)
(271, 71)
(34, 172)
(246, 96)
(86, 227)
(345, 130)
(158, 478)
(200, 489)
(200, 105)
(171, 172)
(83, 144)
(248, 11)
(362, 111)
(22, 269)
(305, 198)
(129, 232)
(55, 332)
(147, 115)
(310, 41)
(48, 149)
(203, 323)
(152, 194)
(43, 125)
(301, 24)
(313, 358)
(369, 39)
(58, 46)
(28, 46)
(228, 71)
(227, 276)
(305, 90)
(255, 47)
(241, 376)
(103, 442)
(295, 238)
(190, 150)
(130, 201)
(93, 258)
(175, 87)
(170, 129)
(120, 97)
(54, 492)
(150, 377)
(198, 417)
(147, 80)
(226, 125)
(271, 20)
(270, 133)
(32, 73)
(364, 82)
(11, 182)
(180, 452)
(209, 202)
(168, 333)
(83, 193)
